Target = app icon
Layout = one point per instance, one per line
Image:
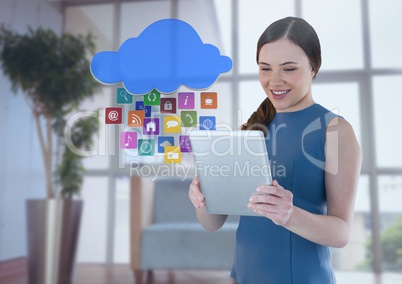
(139, 105)
(113, 115)
(153, 98)
(123, 97)
(128, 140)
(135, 118)
(150, 126)
(164, 141)
(168, 105)
(209, 100)
(207, 123)
(161, 118)
(189, 118)
(184, 142)
(186, 100)
(146, 147)
(172, 124)
(172, 155)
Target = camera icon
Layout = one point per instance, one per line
(173, 154)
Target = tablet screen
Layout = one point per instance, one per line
(230, 165)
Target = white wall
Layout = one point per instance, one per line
(21, 166)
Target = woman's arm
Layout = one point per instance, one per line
(342, 170)
(211, 222)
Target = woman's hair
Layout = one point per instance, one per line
(299, 32)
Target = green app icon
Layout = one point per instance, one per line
(188, 118)
(146, 147)
(153, 98)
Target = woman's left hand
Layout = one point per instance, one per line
(273, 202)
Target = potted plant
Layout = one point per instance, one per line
(52, 71)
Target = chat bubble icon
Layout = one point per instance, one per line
(172, 123)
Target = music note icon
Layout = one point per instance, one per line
(128, 140)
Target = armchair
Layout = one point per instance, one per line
(165, 233)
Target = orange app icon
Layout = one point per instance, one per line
(209, 100)
(135, 118)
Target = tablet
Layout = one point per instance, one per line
(230, 165)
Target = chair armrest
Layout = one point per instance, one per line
(141, 208)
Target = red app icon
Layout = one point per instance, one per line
(168, 105)
(113, 115)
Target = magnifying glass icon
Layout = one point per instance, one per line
(124, 94)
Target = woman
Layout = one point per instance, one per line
(309, 206)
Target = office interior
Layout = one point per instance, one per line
(359, 80)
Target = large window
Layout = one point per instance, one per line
(358, 79)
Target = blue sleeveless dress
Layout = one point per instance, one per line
(270, 254)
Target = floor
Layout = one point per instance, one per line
(121, 274)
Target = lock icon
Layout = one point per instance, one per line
(168, 105)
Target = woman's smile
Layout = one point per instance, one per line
(279, 94)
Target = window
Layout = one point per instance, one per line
(136, 16)
(386, 43)
(390, 189)
(342, 99)
(253, 20)
(387, 113)
(122, 221)
(355, 255)
(251, 96)
(80, 20)
(338, 25)
(223, 10)
(347, 80)
(91, 246)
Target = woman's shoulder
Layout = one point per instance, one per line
(339, 123)
(341, 134)
(331, 117)
(321, 110)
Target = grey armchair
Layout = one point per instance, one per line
(165, 233)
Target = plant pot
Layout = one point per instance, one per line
(52, 235)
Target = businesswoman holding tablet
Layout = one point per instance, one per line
(309, 206)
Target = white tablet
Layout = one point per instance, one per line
(230, 165)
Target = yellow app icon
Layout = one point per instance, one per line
(172, 124)
(172, 155)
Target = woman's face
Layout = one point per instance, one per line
(286, 75)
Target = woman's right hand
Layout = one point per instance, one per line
(195, 193)
(211, 222)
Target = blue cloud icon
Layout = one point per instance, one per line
(167, 54)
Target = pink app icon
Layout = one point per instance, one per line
(186, 100)
(128, 140)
